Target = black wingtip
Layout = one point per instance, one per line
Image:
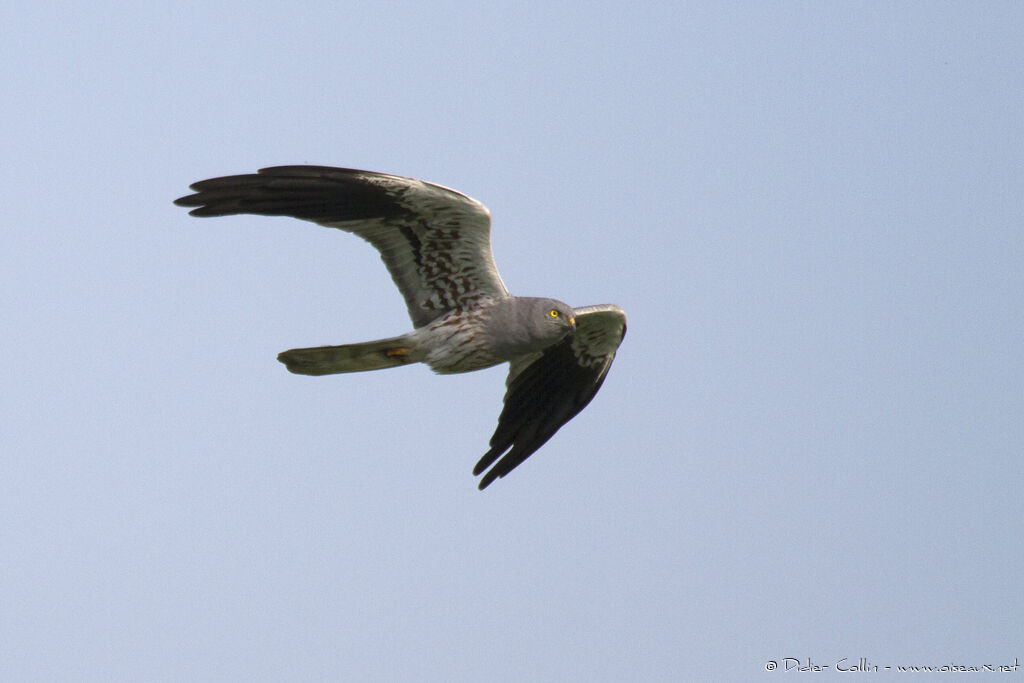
(192, 201)
(486, 461)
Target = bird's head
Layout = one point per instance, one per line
(522, 325)
(556, 316)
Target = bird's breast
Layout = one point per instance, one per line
(457, 342)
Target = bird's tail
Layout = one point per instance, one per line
(329, 360)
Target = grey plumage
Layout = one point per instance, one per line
(435, 242)
(330, 360)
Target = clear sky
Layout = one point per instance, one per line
(810, 443)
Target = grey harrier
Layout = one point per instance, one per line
(436, 244)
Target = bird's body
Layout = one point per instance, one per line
(458, 341)
(436, 244)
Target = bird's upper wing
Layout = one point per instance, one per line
(435, 242)
(547, 389)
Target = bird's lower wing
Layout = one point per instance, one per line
(547, 390)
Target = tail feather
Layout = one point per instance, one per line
(329, 360)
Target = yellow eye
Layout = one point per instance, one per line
(553, 313)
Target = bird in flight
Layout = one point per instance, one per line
(436, 243)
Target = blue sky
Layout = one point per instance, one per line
(809, 445)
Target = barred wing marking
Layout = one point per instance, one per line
(435, 242)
